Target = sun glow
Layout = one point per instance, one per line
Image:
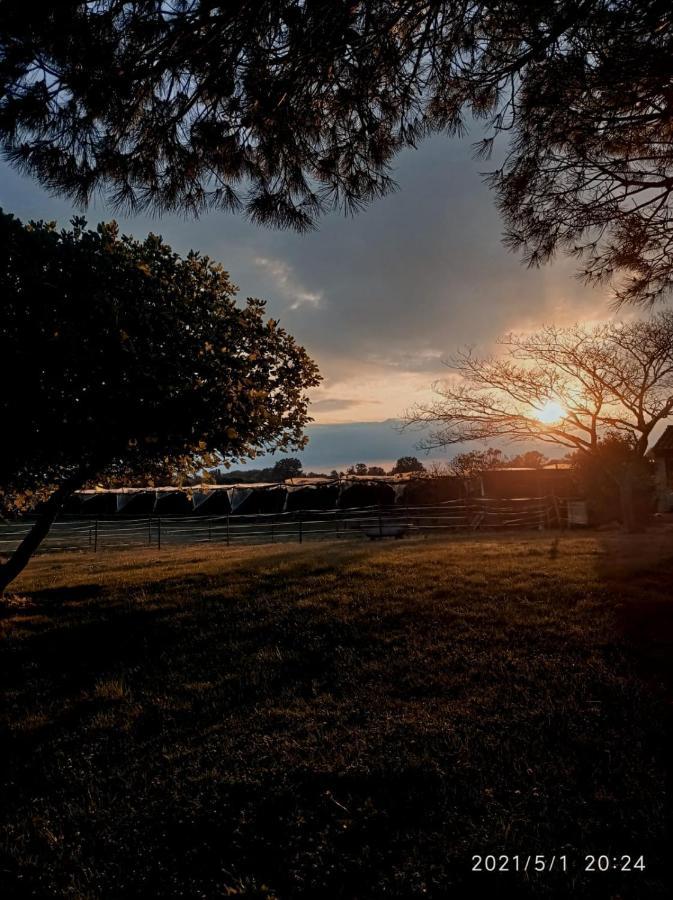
(551, 412)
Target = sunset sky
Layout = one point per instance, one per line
(378, 300)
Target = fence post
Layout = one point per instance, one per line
(227, 529)
(159, 533)
(273, 532)
(301, 529)
(149, 531)
(95, 537)
(380, 525)
(210, 530)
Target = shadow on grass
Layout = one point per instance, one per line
(639, 588)
(305, 735)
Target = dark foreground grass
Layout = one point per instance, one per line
(338, 721)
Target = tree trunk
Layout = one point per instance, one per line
(52, 507)
(629, 519)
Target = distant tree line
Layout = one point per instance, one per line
(404, 465)
(291, 467)
(462, 465)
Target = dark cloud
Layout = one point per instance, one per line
(341, 445)
(377, 443)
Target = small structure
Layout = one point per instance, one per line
(433, 491)
(662, 453)
(577, 512)
(510, 483)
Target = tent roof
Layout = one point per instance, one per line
(346, 480)
(309, 481)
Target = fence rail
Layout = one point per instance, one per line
(103, 533)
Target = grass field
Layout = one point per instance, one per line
(338, 721)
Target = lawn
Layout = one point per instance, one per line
(338, 721)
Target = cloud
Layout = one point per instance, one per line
(333, 404)
(364, 382)
(287, 285)
(419, 360)
(381, 299)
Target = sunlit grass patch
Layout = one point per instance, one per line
(110, 689)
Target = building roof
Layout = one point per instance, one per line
(665, 442)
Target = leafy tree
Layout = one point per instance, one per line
(280, 471)
(120, 358)
(616, 481)
(531, 459)
(376, 470)
(570, 387)
(286, 468)
(407, 464)
(438, 469)
(357, 469)
(284, 108)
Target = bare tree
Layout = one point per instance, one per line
(570, 387)
(563, 386)
(438, 469)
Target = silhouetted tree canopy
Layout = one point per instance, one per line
(286, 108)
(530, 459)
(290, 467)
(357, 469)
(119, 357)
(376, 470)
(407, 464)
(473, 462)
(466, 466)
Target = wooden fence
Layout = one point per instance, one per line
(479, 514)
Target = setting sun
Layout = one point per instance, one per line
(551, 412)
